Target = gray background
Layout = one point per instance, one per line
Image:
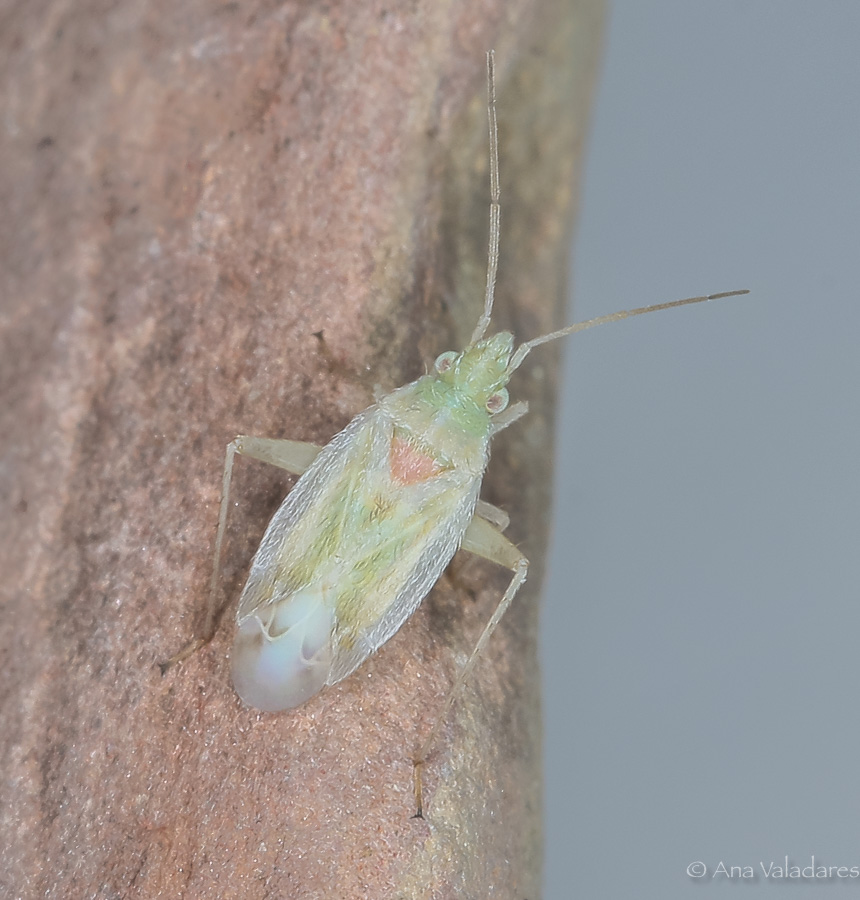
(700, 631)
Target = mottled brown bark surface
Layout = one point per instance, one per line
(190, 192)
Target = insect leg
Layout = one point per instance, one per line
(512, 414)
(498, 518)
(293, 456)
(482, 539)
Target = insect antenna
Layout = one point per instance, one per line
(495, 209)
(523, 350)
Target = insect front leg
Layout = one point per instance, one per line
(294, 457)
(512, 414)
(483, 539)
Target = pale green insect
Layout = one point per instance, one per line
(379, 512)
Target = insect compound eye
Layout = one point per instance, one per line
(497, 401)
(444, 361)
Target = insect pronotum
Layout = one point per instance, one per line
(378, 513)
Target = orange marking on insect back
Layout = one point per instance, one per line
(409, 465)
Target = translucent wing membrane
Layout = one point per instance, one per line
(345, 560)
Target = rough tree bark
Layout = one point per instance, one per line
(191, 192)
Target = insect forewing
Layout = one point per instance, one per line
(346, 559)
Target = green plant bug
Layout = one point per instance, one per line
(378, 513)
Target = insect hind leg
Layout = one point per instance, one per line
(495, 516)
(293, 456)
(483, 539)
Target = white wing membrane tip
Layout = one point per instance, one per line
(281, 664)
